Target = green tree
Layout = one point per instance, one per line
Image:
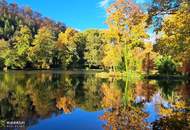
(166, 65)
(23, 39)
(7, 29)
(78, 60)
(94, 48)
(9, 56)
(4, 52)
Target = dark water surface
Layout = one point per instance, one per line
(57, 100)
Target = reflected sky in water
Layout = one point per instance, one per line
(82, 121)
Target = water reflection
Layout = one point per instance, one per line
(60, 100)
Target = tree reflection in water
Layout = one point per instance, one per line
(177, 116)
(121, 116)
(31, 96)
(67, 104)
(171, 104)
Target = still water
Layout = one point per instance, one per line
(56, 100)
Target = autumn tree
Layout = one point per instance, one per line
(66, 46)
(158, 9)
(174, 36)
(41, 54)
(112, 56)
(127, 25)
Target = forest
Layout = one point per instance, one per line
(29, 40)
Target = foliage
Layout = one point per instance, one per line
(66, 46)
(78, 61)
(94, 48)
(159, 8)
(41, 53)
(18, 26)
(174, 39)
(4, 51)
(166, 65)
(112, 56)
(126, 31)
(22, 41)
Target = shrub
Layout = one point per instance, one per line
(166, 65)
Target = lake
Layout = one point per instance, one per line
(58, 100)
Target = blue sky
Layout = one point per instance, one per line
(79, 14)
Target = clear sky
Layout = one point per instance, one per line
(79, 14)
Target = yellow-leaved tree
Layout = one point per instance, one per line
(175, 36)
(66, 46)
(126, 22)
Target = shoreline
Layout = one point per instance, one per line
(99, 73)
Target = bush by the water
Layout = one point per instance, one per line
(166, 65)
